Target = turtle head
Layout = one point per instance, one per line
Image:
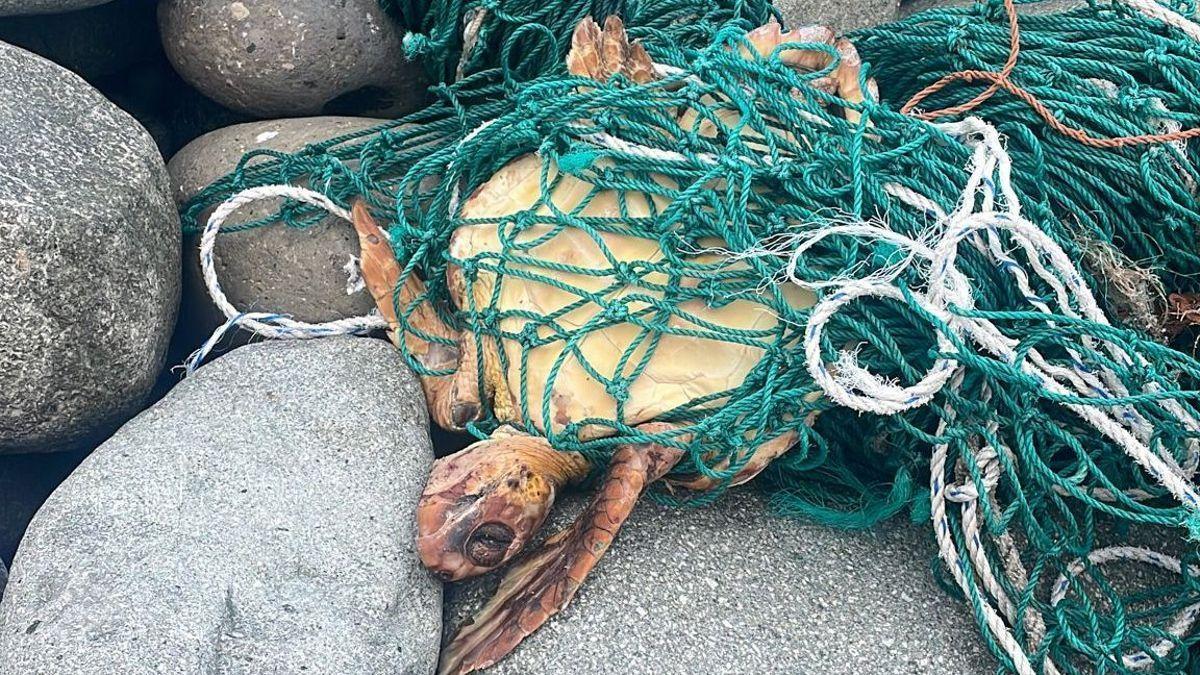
(483, 504)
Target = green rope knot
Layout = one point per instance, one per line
(470, 269)
(418, 46)
(618, 390)
(577, 161)
(626, 272)
(528, 335)
(616, 310)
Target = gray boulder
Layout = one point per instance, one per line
(25, 483)
(840, 15)
(273, 58)
(258, 519)
(277, 268)
(22, 7)
(89, 254)
(731, 589)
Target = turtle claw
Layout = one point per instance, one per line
(601, 53)
(543, 583)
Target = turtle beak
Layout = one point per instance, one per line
(481, 507)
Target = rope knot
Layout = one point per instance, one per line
(528, 337)
(617, 310)
(618, 389)
(470, 269)
(417, 46)
(956, 34)
(625, 272)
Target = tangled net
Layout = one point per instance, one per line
(957, 363)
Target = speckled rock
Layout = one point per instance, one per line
(94, 42)
(277, 268)
(89, 259)
(840, 15)
(22, 7)
(258, 519)
(292, 57)
(730, 589)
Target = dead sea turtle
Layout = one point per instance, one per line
(483, 505)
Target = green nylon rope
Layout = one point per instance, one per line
(1127, 214)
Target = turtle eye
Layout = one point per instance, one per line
(488, 543)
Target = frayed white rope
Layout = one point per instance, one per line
(978, 220)
(354, 278)
(474, 21)
(268, 324)
(989, 208)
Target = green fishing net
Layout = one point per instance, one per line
(957, 318)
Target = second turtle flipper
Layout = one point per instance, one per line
(542, 584)
(453, 399)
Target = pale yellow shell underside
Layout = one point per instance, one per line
(681, 369)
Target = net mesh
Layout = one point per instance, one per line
(593, 236)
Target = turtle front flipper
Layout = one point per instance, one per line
(540, 585)
(453, 399)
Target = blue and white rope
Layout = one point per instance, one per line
(268, 324)
(989, 208)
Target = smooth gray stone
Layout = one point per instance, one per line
(731, 589)
(274, 58)
(22, 7)
(89, 259)
(25, 483)
(277, 268)
(258, 519)
(840, 15)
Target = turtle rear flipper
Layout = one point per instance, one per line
(542, 584)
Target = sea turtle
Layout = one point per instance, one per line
(483, 504)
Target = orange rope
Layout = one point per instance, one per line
(1000, 80)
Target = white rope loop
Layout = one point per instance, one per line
(987, 210)
(268, 324)
(853, 386)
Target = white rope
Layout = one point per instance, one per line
(1182, 623)
(988, 209)
(470, 37)
(268, 324)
